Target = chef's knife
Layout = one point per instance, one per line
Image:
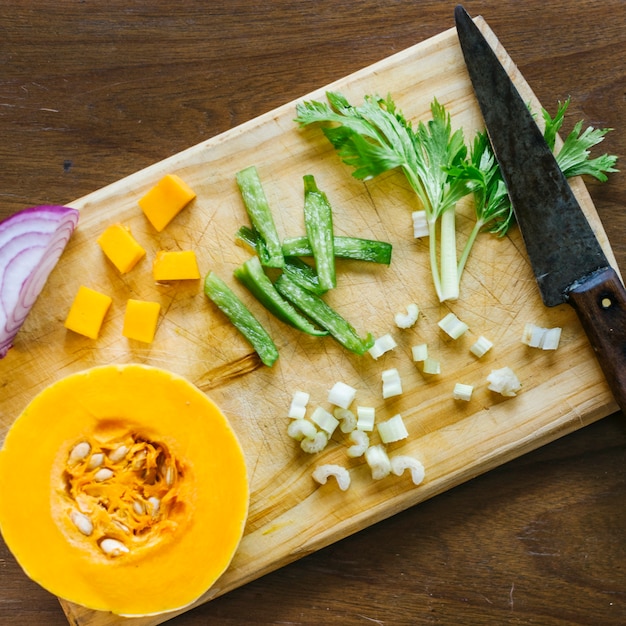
(568, 262)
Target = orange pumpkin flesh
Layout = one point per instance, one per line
(145, 459)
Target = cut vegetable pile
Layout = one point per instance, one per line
(296, 296)
(361, 425)
(166, 199)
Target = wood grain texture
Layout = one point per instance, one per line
(92, 94)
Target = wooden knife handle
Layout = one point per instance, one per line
(600, 302)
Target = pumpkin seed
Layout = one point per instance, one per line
(169, 475)
(113, 547)
(155, 504)
(138, 507)
(118, 454)
(82, 522)
(139, 460)
(96, 460)
(103, 474)
(121, 526)
(79, 452)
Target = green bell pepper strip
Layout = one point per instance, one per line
(252, 276)
(229, 303)
(249, 236)
(260, 215)
(324, 315)
(301, 272)
(318, 222)
(355, 248)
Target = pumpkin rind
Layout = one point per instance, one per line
(181, 560)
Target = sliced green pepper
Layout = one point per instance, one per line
(303, 274)
(260, 215)
(318, 222)
(251, 275)
(225, 299)
(249, 236)
(300, 271)
(324, 315)
(354, 248)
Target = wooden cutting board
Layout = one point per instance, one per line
(290, 515)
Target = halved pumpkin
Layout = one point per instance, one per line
(124, 489)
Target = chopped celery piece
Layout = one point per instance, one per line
(341, 394)
(462, 392)
(431, 366)
(318, 221)
(325, 420)
(392, 383)
(406, 320)
(383, 344)
(229, 303)
(313, 445)
(481, 346)
(347, 419)
(392, 430)
(360, 443)
(355, 248)
(366, 415)
(538, 337)
(301, 428)
(453, 326)
(420, 352)
(378, 461)
(324, 315)
(404, 462)
(260, 215)
(252, 276)
(322, 472)
(299, 402)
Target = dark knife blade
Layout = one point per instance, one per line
(567, 259)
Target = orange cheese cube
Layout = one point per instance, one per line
(120, 247)
(87, 312)
(175, 265)
(166, 200)
(140, 320)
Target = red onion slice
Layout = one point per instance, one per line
(31, 242)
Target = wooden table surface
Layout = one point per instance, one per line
(91, 92)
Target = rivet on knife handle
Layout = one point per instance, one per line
(600, 302)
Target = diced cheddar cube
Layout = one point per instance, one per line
(166, 200)
(140, 320)
(175, 265)
(87, 312)
(120, 247)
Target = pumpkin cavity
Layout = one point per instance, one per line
(120, 493)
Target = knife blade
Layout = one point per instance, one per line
(567, 259)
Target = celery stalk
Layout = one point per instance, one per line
(448, 272)
(375, 137)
